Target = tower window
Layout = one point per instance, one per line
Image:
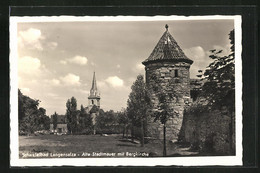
(176, 73)
(92, 102)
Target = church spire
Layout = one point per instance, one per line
(94, 84)
(94, 97)
(93, 90)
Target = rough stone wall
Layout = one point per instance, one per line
(162, 76)
(209, 130)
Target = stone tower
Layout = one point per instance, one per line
(94, 97)
(167, 68)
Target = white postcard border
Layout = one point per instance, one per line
(163, 161)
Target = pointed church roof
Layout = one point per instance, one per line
(94, 91)
(94, 83)
(167, 49)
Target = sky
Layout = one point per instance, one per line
(56, 60)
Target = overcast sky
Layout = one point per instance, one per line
(56, 60)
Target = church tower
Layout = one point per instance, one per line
(167, 69)
(94, 97)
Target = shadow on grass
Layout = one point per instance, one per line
(39, 150)
(125, 145)
(127, 140)
(180, 155)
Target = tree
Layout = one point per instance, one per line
(85, 121)
(138, 105)
(219, 77)
(55, 120)
(123, 120)
(45, 120)
(72, 115)
(101, 120)
(219, 86)
(68, 115)
(106, 122)
(164, 110)
(82, 116)
(25, 104)
(31, 118)
(89, 123)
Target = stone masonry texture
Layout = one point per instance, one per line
(162, 75)
(209, 130)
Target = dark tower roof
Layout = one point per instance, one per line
(167, 49)
(94, 83)
(93, 90)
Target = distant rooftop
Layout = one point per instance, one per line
(167, 49)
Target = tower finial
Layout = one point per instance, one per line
(166, 26)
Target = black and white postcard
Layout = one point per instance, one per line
(126, 90)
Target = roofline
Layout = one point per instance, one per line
(167, 60)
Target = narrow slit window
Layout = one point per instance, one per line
(176, 73)
(92, 102)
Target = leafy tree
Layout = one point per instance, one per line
(123, 120)
(107, 118)
(55, 120)
(24, 104)
(138, 105)
(106, 122)
(219, 86)
(164, 110)
(132, 116)
(110, 117)
(69, 115)
(89, 123)
(31, 118)
(82, 116)
(85, 121)
(101, 119)
(45, 121)
(72, 115)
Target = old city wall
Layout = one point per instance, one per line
(209, 130)
(163, 76)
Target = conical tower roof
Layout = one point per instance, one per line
(167, 49)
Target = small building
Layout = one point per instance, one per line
(61, 125)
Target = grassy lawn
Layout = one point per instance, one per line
(80, 144)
